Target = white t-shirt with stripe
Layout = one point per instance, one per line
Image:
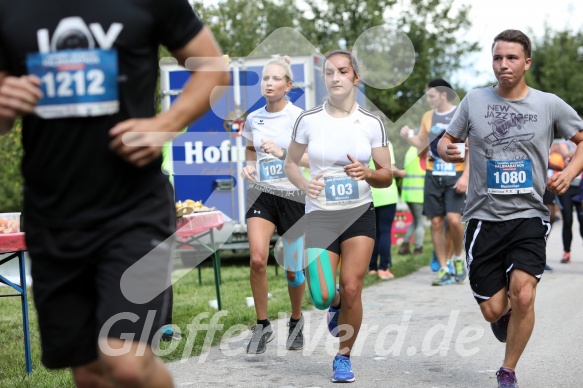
(329, 140)
(276, 126)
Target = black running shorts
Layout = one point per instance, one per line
(79, 292)
(328, 229)
(439, 196)
(284, 209)
(494, 249)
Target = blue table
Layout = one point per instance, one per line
(13, 244)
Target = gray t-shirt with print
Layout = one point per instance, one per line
(509, 144)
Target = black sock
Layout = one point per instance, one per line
(263, 322)
(294, 320)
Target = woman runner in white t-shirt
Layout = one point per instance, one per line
(341, 138)
(273, 203)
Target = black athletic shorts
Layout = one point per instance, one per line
(494, 249)
(283, 208)
(328, 229)
(439, 196)
(80, 290)
(549, 198)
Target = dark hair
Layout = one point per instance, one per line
(517, 37)
(442, 86)
(347, 53)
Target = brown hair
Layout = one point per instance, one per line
(353, 60)
(517, 37)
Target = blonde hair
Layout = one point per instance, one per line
(284, 62)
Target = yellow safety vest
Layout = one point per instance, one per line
(388, 195)
(414, 181)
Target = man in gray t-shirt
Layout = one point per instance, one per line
(510, 128)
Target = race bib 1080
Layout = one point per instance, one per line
(509, 176)
(76, 83)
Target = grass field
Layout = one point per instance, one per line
(190, 301)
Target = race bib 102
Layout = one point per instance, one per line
(509, 176)
(271, 170)
(76, 83)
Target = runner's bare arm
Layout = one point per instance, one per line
(203, 56)
(249, 172)
(447, 150)
(18, 96)
(146, 136)
(383, 175)
(560, 182)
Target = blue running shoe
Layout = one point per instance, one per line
(342, 369)
(332, 319)
(460, 270)
(443, 278)
(451, 267)
(506, 378)
(434, 263)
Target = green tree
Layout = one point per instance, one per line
(435, 29)
(557, 66)
(239, 26)
(10, 177)
(333, 24)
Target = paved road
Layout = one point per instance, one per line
(419, 336)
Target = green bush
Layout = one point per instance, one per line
(10, 175)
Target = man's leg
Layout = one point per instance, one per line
(521, 324)
(439, 241)
(90, 375)
(455, 229)
(130, 368)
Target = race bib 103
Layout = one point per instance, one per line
(340, 189)
(76, 83)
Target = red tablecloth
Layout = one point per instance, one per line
(12, 242)
(195, 223)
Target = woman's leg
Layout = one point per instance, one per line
(567, 214)
(386, 214)
(259, 232)
(293, 262)
(355, 253)
(419, 221)
(374, 259)
(321, 277)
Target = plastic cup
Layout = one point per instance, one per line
(250, 301)
(462, 148)
(411, 133)
(214, 304)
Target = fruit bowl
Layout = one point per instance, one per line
(9, 223)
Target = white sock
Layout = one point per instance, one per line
(456, 258)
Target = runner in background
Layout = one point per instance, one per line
(556, 164)
(412, 194)
(385, 203)
(445, 183)
(273, 203)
